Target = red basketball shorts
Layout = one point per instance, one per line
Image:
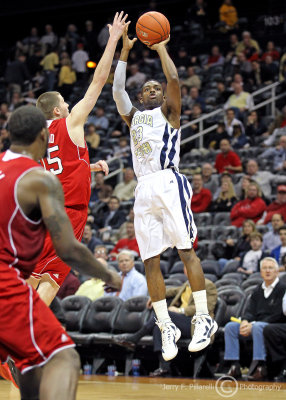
(30, 333)
(49, 262)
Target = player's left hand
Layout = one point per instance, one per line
(156, 46)
(101, 165)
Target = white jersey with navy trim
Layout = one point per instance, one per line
(155, 144)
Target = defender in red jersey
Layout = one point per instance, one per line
(68, 159)
(32, 200)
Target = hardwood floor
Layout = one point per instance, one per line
(143, 388)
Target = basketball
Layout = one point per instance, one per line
(152, 27)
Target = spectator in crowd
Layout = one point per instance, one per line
(251, 259)
(70, 285)
(100, 191)
(201, 197)
(93, 288)
(270, 51)
(231, 48)
(271, 239)
(79, 60)
(129, 242)
(265, 179)
(210, 181)
(240, 101)
(265, 307)
(90, 39)
(239, 140)
(230, 121)
(133, 283)
(198, 14)
(195, 98)
(277, 206)
(4, 139)
(235, 250)
(213, 140)
(244, 66)
(223, 93)
(88, 238)
(16, 74)
(72, 38)
(254, 77)
(228, 16)
(185, 98)
(274, 339)
(227, 160)
(252, 207)
(280, 251)
(181, 310)
(136, 78)
(194, 113)
(29, 43)
(226, 199)
(122, 231)
(269, 71)
(273, 128)
(125, 190)
(49, 39)
(92, 139)
(215, 58)
(122, 150)
(192, 80)
(248, 46)
(67, 78)
(50, 64)
(255, 128)
(113, 218)
(182, 60)
(277, 154)
(99, 119)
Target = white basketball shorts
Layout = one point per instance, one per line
(163, 216)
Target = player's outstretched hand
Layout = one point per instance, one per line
(127, 43)
(114, 284)
(157, 46)
(119, 24)
(100, 165)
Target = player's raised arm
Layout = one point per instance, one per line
(120, 96)
(82, 109)
(50, 196)
(172, 105)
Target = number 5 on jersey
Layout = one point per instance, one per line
(54, 160)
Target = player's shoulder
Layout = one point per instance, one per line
(41, 180)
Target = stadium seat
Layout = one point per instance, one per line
(230, 266)
(203, 219)
(178, 267)
(178, 276)
(210, 267)
(251, 281)
(222, 232)
(234, 298)
(221, 218)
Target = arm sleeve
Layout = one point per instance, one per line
(120, 96)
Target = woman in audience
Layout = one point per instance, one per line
(226, 199)
(236, 250)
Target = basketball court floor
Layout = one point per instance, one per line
(143, 388)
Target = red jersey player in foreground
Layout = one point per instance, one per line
(30, 333)
(68, 159)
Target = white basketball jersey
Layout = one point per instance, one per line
(155, 144)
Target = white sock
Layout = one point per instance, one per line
(200, 299)
(161, 310)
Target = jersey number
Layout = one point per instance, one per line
(54, 160)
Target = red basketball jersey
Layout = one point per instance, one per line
(21, 239)
(70, 163)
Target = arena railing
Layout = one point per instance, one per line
(271, 101)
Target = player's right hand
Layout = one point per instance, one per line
(119, 24)
(157, 46)
(114, 283)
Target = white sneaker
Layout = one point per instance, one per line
(170, 335)
(205, 327)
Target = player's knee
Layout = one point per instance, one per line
(189, 256)
(71, 359)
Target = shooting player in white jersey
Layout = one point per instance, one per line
(162, 208)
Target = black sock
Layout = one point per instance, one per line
(162, 363)
(135, 337)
